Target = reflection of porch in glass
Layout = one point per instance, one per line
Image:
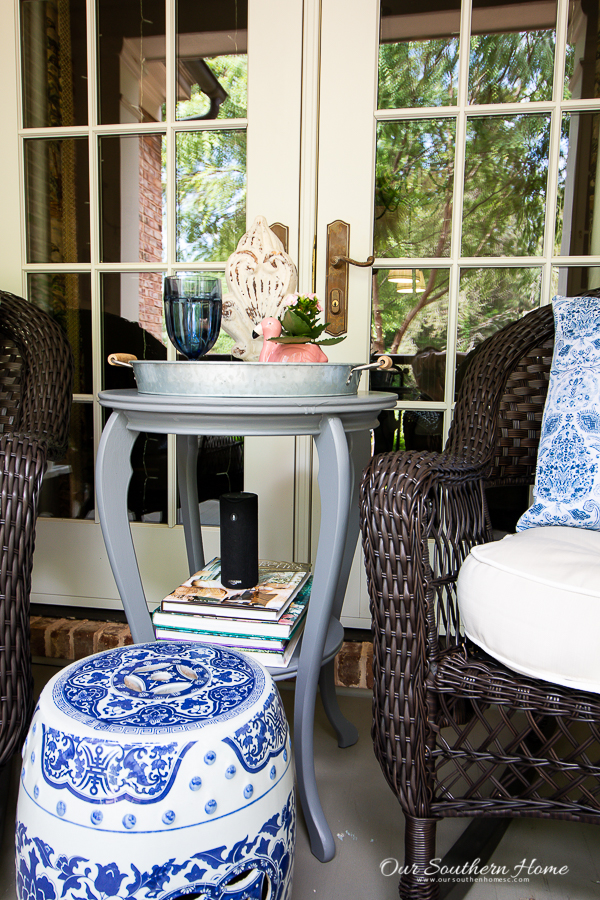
(492, 18)
(417, 377)
(144, 60)
(409, 281)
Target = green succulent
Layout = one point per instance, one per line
(300, 323)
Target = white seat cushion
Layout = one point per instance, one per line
(532, 601)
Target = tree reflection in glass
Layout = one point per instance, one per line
(506, 170)
(414, 187)
(211, 194)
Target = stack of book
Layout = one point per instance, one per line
(265, 621)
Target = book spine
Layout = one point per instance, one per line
(274, 660)
(238, 627)
(268, 645)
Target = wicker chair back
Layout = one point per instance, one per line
(36, 368)
(35, 402)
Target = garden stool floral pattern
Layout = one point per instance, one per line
(155, 771)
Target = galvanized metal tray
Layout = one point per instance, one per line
(199, 378)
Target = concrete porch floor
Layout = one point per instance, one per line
(368, 825)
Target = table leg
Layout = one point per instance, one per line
(359, 448)
(334, 486)
(187, 471)
(347, 733)
(113, 473)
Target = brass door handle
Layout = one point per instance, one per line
(336, 285)
(338, 260)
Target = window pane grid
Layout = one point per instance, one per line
(131, 135)
(547, 258)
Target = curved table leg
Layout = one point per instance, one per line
(112, 482)
(187, 471)
(359, 447)
(334, 485)
(347, 733)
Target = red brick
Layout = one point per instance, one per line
(347, 668)
(59, 643)
(39, 626)
(83, 638)
(62, 638)
(369, 664)
(109, 636)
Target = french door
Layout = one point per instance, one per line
(458, 142)
(140, 158)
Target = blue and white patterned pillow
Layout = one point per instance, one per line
(567, 482)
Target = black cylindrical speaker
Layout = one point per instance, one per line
(239, 539)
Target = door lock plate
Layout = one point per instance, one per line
(336, 283)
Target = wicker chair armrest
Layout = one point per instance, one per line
(23, 461)
(420, 515)
(22, 465)
(44, 395)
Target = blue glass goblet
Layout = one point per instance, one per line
(193, 305)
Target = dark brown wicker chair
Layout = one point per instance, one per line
(455, 732)
(35, 403)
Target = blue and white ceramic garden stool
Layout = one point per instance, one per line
(154, 771)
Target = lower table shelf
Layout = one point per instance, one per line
(333, 642)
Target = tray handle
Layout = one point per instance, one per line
(384, 362)
(121, 359)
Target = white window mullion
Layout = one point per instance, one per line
(457, 207)
(94, 211)
(307, 225)
(551, 198)
(170, 111)
(562, 21)
(92, 63)
(171, 214)
(21, 151)
(554, 150)
(576, 260)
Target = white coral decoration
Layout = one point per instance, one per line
(260, 276)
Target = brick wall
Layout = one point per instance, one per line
(70, 639)
(151, 232)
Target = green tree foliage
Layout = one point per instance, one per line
(418, 73)
(505, 175)
(211, 172)
(506, 169)
(511, 68)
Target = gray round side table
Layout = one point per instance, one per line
(340, 427)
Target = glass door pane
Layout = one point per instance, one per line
(211, 194)
(506, 173)
(212, 60)
(131, 52)
(418, 54)
(57, 198)
(132, 184)
(511, 56)
(414, 188)
(54, 64)
(577, 180)
(580, 54)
